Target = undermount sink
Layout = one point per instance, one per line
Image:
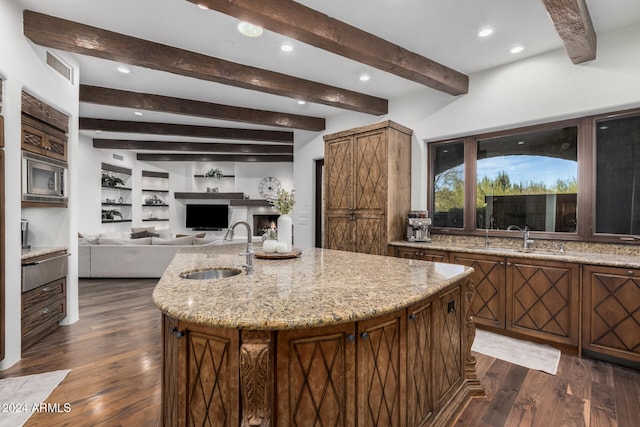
(517, 250)
(216, 273)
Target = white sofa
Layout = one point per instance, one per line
(117, 255)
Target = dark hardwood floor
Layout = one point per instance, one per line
(113, 352)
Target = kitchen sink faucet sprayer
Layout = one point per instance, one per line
(525, 232)
(249, 253)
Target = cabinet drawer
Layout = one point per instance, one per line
(50, 291)
(41, 319)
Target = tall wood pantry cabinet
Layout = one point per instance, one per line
(367, 187)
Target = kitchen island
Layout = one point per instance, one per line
(326, 338)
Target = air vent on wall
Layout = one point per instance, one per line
(118, 157)
(60, 66)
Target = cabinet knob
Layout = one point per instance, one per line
(364, 335)
(45, 289)
(630, 272)
(179, 334)
(412, 316)
(45, 311)
(351, 338)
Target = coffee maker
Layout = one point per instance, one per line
(418, 226)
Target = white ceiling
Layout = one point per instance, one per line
(444, 31)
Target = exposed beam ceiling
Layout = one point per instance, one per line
(145, 101)
(185, 130)
(78, 38)
(214, 158)
(573, 23)
(317, 29)
(123, 144)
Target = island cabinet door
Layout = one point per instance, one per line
(203, 388)
(381, 371)
(488, 305)
(420, 378)
(543, 300)
(315, 379)
(448, 365)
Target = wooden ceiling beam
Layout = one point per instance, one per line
(126, 144)
(573, 23)
(214, 158)
(83, 39)
(166, 104)
(317, 29)
(185, 130)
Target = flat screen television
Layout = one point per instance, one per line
(207, 217)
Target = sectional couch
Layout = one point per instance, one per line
(118, 255)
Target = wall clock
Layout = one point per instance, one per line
(268, 187)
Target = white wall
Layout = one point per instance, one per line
(22, 67)
(544, 88)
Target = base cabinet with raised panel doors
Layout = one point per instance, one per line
(406, 368)
(367, 187)
(612, 312)
(531, 298)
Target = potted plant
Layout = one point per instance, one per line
(283, 202)
(111, 181)
(214, 173)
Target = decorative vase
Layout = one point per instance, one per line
(269, 245)
(285, 232)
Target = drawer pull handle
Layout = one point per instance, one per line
(45, 311)
(45, 289)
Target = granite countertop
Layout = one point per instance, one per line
(321, 287)
(627, 257)
(39, 251)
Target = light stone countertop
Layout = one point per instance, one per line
(624, 257)
(319, 288)
(38, 251)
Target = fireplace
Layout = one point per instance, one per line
(263, 222)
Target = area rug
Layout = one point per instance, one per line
(20, 397)
(524, 353)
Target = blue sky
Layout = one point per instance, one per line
(528, 168)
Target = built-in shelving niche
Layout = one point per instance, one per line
(116, 193)
(155, 195)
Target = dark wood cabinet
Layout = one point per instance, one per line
(611, 313)
(200, 375)
(488, 306)
(367, 187)
(42, 309)
(544, 300)
(41, 138)
(421, 254)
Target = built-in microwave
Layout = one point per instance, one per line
(43, 179)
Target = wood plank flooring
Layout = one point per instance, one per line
(113, 352)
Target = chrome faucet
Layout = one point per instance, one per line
(525, 232)
(249, 253)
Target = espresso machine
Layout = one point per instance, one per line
(418, 226)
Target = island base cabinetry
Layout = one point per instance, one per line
(412, 367)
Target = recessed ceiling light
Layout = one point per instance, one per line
(286, 47)
(517, 49)
(485, 32)
(123, 69)
(364, 77)
(301, 102)
(138, 113)
(249, 30)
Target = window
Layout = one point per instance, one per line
(448, 185)
(528, 180)
(617, 204)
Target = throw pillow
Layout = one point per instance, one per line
(141, 234)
